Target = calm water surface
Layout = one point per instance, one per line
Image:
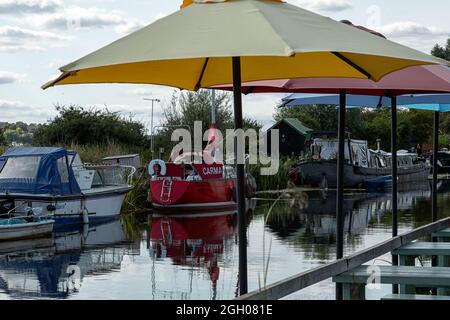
(196, 257)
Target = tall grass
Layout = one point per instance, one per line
(279, 181)
(94, 153)
(136, 200)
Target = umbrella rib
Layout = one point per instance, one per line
(199, 82)
(352, 64)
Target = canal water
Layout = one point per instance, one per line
(196, 257)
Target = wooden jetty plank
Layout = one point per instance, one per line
(297, 282)
(415, 297)
(418, 276)
(305, 279)
(424, 249)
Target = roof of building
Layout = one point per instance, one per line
(295, 124)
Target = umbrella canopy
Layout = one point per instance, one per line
(417, 79)
(191, 48)
(213, 42)
(433, 102)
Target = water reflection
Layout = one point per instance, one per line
(196, 256)
(55, 267)
(308, 220)
(201, 241)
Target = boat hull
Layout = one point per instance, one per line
(100, 206)
(26, 230)
(194, 195)
(324, 173)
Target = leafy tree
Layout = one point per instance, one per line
(325, 118)
(414, 126)
(187, 107)
(442, 51)
(76, 125)
(3, 141)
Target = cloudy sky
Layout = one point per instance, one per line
(38, 36)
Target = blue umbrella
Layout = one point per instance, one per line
(432, 102)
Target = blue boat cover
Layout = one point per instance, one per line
(48, 178)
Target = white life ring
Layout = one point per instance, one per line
(159, 162)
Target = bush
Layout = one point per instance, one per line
(75, 125)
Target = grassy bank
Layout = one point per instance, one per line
(279, 181)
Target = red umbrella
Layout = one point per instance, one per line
(420, 79)
(413, 80)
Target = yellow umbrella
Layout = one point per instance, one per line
(213, 42)
(191, 48)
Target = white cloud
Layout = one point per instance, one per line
(14, 7)
(141, 92)
(414, 35)
(17, 38)
(9, 77)
(13, 111)
(325, 5)
(408, 29)
(78, 18)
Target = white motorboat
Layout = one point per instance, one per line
(54, 181)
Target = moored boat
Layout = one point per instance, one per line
(54, 181)
(183, 186)
(361, 165)
(21, 228)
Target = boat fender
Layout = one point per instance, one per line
(85, 216)
(153, 163)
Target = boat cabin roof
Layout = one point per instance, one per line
(38, 170)
(35, 151)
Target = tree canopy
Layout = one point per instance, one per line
(414, 126)
(187, 107)
(3, 141)
(442, 51)
(77, 125)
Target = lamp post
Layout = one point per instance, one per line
(151, 124)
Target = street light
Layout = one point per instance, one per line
(151, 124)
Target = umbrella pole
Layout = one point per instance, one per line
(435, 166)
(240, 173)
(340, 186)
(394, 178)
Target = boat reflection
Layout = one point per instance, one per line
(55, 267)
(314, 217)
(200, 241)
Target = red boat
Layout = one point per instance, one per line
(181, 186)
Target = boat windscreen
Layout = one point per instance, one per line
(20, 167)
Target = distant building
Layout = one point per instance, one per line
(293, 134)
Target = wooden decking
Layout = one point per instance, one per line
(408, 275)
(354, 275)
